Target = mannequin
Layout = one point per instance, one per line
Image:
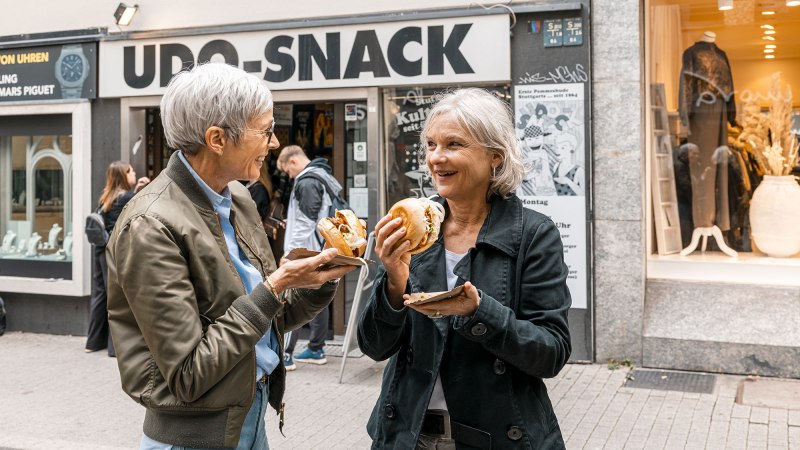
(8, 242)
(706, 106)
(33, 245)
(52, 238)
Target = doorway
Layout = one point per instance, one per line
(341, 125)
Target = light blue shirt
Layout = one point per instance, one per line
(267, 347)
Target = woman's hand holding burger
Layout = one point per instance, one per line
(412, 226)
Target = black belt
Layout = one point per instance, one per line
(437, 423)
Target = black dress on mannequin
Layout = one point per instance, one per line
(706, 105)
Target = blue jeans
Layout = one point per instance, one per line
(254, 432)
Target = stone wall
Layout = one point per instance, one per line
(617, 129)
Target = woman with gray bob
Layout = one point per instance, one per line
(466, 372)
(197, 307)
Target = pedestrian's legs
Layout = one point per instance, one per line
(98, 336)
(104, 272)
(319, 330)
(293, 336)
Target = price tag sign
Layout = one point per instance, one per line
(573, 31)
(553, 33)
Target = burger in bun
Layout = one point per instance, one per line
(422, 218)
(344, 232)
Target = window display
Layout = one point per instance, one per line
(35, 211)
(727, 78)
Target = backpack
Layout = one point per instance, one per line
(337, 202)
(95, 229)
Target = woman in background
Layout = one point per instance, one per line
(119, 189)
(263, 193)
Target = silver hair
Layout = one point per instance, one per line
(488, 120)
(208, 95)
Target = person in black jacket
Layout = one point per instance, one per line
(119, 189)
(467, 372)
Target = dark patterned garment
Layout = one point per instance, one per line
(705, 78)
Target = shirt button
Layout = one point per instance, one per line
(514, 433)
(478, 329)
(409, 356)
(499, 367)
(389, 411)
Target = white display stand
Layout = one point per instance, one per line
(705, 232)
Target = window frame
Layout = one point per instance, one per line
(79, 285)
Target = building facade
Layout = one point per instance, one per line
(352, 83)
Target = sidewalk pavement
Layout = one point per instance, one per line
(54, 396)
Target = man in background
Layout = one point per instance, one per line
(308, 203)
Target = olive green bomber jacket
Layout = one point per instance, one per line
(184, 329)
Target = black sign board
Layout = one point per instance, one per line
(48, 72)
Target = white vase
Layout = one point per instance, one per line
(775, 216)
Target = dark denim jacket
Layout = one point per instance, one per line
(492, 363)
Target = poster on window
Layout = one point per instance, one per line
(550, 125)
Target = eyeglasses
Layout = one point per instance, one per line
(268, 133)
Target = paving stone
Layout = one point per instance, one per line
(90, 411)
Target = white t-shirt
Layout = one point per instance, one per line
(451, 259)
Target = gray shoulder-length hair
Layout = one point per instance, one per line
(487, 119)
(208, 95)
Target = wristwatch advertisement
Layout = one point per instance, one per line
(72, 69)
(51, 72)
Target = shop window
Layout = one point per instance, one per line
(405, 110)
(35, 207)
(722, 132)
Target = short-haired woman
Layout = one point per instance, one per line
(196, 303)
(467, 372)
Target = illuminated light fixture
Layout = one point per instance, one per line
(768, 38)
(725, 5)
(124, 14)
(792, 2)
(768, 32)
(767, 27)
(767, 13)
(770, 46)
(769, 56)
(769, 50)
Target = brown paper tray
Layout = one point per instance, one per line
(301, 253)
(420, 298)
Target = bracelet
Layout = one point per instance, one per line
(274, 292)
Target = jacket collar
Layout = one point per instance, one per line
(502, 228)
(178, 172)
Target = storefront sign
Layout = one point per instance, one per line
(550, 123)
(48, 73)
(443, 51)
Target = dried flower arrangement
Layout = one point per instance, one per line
(770, 136)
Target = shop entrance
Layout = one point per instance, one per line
(336, 130)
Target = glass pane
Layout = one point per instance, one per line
(405, 110)
(722, 81)
(35, 208)
(355, 128)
